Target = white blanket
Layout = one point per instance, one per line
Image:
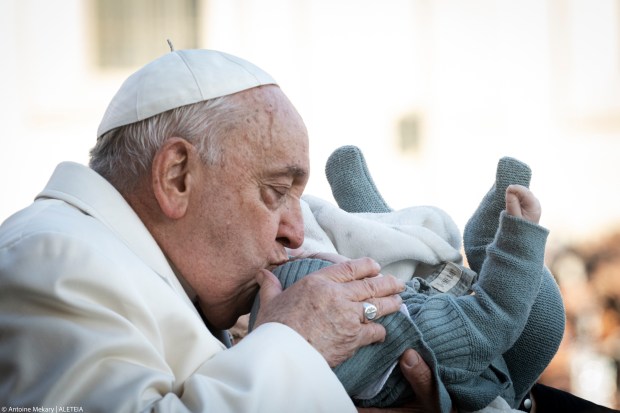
(399, 241)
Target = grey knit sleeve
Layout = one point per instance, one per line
(468, 333)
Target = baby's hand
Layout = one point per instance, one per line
(521, 202)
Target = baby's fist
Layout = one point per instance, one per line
(521, 202)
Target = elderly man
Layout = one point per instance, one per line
(192, 195)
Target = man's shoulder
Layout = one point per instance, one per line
(48, 217)
(52, 244)
(54, 238)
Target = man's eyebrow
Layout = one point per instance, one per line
(291, 170)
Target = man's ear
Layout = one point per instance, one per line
(171, 176)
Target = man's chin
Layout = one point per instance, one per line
(224, 322)
(219, 324)
(224, 315)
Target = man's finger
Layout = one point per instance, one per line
(385, 306)
(375, 287)
(371, 333)
(353, 270)
(269, 286)
(420, 377)
(417, 372)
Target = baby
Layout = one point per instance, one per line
(487, 331)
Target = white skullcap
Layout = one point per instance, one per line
(177, 79)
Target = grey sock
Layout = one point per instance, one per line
(481, 228)
(351, 183)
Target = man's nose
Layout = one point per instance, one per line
(291, 229)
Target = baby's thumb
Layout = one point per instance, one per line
(513, 202)
(269, 286)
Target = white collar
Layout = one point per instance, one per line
(88, 191)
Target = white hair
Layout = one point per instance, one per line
(125, 154)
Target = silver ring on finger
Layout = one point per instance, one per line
(370, 311)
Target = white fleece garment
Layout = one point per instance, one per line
(399, 241)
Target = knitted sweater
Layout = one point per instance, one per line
(461, 338)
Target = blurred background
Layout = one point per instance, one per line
(434, 92)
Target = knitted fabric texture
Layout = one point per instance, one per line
(351, 182)
(481, 227)
(544, 329)
(288, 273)
(540, 339)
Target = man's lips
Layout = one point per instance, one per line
(272, 266)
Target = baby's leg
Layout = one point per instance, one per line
(544, 329)
(351, 183)
(482, 226)
(540, 339)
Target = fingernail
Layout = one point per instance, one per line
(411, 359)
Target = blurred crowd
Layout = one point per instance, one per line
(588, 362)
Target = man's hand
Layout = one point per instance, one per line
(419, 375)
(326, 308)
